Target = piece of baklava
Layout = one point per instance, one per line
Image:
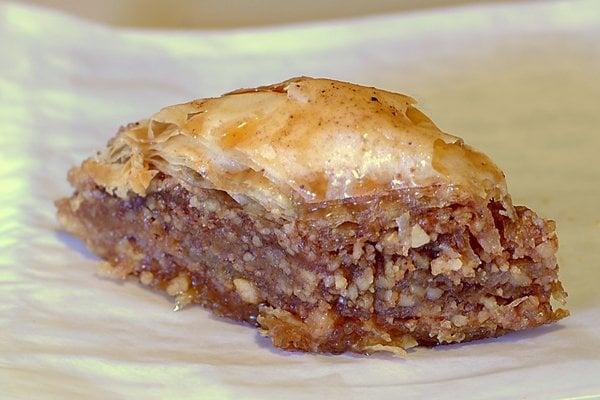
(334, 217)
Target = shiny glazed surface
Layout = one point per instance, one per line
(304, 140)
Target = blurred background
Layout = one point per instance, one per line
(216, 14)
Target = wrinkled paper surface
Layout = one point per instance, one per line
(519, 81)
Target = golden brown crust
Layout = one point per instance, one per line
(301, 141)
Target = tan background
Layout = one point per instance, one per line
(215, 14)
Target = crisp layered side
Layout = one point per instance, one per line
(415, 266)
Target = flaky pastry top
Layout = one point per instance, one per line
(301, 141)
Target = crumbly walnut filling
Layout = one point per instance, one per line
(377, 276)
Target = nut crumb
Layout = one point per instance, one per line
(406, 300)
(434, 293)
(418, 237)
(256, 241)
(178, 285)
(340, 281)
(146, 277)
(357, 250)
(182, 300)
(365, 280)
(442, 265)
(247, 257)
(246, 290)
(459, 320)
(376, 348)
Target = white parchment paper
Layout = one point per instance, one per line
(519, 81)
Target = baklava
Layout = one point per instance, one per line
(334, 217)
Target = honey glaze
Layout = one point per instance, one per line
(367, 186)
(311, 140)
(468, 168)
(194, 123)
(315, 187)
(240, 131)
